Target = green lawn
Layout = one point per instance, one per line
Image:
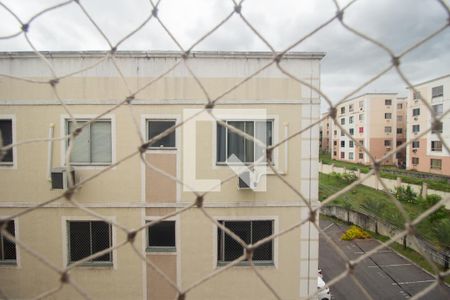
(439, 185)
(377, 203)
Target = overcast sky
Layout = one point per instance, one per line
(349, 61)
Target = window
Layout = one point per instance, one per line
(437, 91)
(416, 128)
(342, 155)
(8, 248)
(342, 133)
(161, 237)
(388, 116)
(438, 109)
(250, 232)
(335, 143)
(436, 164)
(399, 130)
(229, 143)
(415, 144)
(350, 144)
(416, 95)
(343, 110)
(437, 129)
(361, 105)
(415, 160)
(342, 121)
(388, 102)
(343, 144)
(361, 129)
(361, 155)
(155, 127)
(398, 143)
(436, 146)
(93, 146)
(387, 143)
(350, 108)
(399, 118)
(416, 112)
(352, 131)
(350, 120)
(399, 106)
(361, 143)
(6, 134)
(335, 132)
(361, 117)
(350, 155)
(87, 238)
(334, 153)
(387, 129)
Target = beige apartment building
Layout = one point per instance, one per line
(325, 134)
(375, 120)
(427, 154)
(188, 246)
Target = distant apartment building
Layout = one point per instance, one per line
(325, 134)
(427, 154)
(375, 120)
(188, 246)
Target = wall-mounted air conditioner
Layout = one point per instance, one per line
(60, 178)
(415, 119)
(246, 181)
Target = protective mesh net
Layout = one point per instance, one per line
(250, 242)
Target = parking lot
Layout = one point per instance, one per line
(385, 275)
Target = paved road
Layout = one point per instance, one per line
(384, 275)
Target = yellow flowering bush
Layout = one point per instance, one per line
(354, 232)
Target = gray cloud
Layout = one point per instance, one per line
(350, 60)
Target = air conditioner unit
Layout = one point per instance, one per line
(414, 150)
(59, 178)
(415, 119)
(246, 181)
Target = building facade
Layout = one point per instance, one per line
(375, 120)
(325, 134)
(188, 246)
(427, 153)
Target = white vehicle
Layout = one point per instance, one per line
(324, 293)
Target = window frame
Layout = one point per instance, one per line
(272, 120)
(161, 249)
(12, 164)
(439, 93)
(399, 130)
(264, 264)
(414, 161)
(387, 102)
(416, 112)
(438, 113)
(388, 116)
(386, 129)
(147, 128)
(66, 242)
(434, 149)
(415, 144)
(414, 127)
(15, 263)
(86, 117)
(435, 167)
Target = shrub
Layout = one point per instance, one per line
(349, 177)
(405, 194)
(442, 231)
(429, 201)
(373, 205)
(354, 232)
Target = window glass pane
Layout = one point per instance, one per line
(81, 148)
(101, 145)
(6, 132)
(233, 249)
(162, 234)
(8, 251)
(262, 134)
(156, 127)
(249, 144)
(260, 230)
(236, 144)
(221, 143)
(79, 240)
(101, 239)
